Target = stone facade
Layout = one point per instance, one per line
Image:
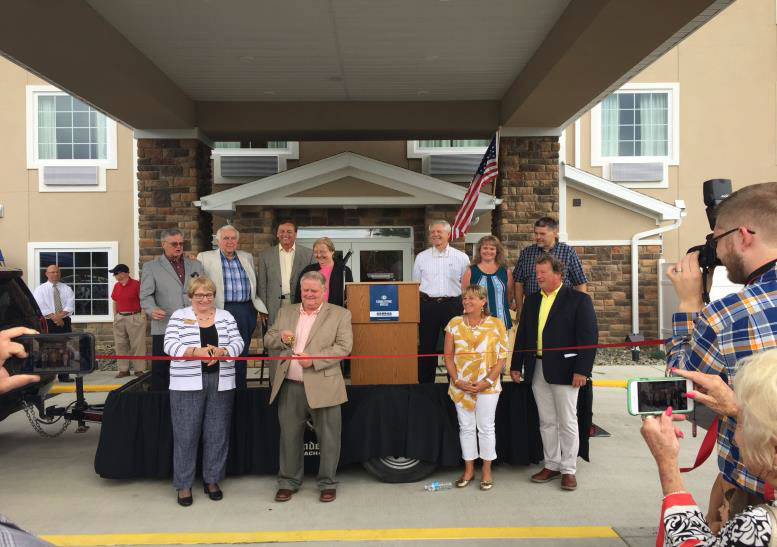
(172, 173)
(609, 284)
(528, 187)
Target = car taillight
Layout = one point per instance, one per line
(44, 326)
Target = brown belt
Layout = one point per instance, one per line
(128, 312)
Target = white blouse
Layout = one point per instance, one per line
(183, 332)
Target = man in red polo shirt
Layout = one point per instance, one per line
(129, 325)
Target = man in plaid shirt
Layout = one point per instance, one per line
(713, 338)
(546, 237)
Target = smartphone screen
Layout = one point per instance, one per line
(58, 353)
(658, 395)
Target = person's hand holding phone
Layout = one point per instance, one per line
(8, 349)
(662, 436)
(711, 391)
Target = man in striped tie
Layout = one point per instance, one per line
(57, 303)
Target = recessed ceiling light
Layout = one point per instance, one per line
(246, 58)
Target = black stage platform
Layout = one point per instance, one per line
(414, 421)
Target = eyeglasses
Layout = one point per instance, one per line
(713, 240)
(200, 296)
(174, 243)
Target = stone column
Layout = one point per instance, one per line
(528, 187)
(172, 173)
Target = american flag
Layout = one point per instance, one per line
(487, 172)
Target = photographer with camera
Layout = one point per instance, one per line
(713, 338)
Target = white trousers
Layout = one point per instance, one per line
(557, 407)
(480, 421)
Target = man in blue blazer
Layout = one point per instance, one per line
(556, 317)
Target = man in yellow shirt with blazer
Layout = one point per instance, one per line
(556, 317)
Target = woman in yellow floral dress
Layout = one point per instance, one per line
(475, 354)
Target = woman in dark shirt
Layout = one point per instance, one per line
(335, 272)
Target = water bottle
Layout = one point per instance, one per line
(436, 486)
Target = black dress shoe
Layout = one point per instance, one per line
(185, 502)
(215, 495)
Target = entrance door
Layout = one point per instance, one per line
(378, 253)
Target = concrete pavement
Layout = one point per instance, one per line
(50, 487)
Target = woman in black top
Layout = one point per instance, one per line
(334, 271)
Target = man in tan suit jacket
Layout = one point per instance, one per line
(308, 387)
(233, 273)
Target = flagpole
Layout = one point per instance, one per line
(493, 190)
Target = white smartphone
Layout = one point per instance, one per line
(655, 395)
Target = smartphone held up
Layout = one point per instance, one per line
(646, 396)
(66, 353)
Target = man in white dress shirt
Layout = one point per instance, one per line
(57, 303)
(439, 269)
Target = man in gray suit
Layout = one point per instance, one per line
(279, 268)
(277, 272)
(164, 282)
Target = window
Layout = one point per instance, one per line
(635, 132)
(454, 143)
(69, 129)
(251, 144)
(635, 124)
(70, 143)
(84, 268)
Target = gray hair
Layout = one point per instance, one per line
(227, 228)
(444, 223)
(168, 233)
(314, 275)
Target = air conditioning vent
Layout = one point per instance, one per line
(454, 164)
(67, 175)
(637, 172)
(249, 166)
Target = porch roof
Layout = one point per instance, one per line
(344, 70)
(397, 187)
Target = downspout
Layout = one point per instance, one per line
(635, 268)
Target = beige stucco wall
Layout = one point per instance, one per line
(597, 219)
(32, 216)
(727, 74)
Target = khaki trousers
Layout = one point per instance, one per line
(293, 413)
(129, 335)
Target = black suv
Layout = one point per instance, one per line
(19, 309)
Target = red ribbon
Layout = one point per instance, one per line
(656, 342)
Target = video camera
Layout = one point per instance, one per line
(714, 191)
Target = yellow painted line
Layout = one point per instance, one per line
(392, 534)
(92, 388)
(611, 383)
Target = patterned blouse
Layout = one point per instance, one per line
(684, 525)
(477, 349)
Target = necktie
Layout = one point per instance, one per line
(57, 299)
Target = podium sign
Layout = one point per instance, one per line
(385, 319)
(384, 303)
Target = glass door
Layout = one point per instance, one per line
(381, 261)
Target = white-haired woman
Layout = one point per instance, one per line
(201, 391)
(753, 403)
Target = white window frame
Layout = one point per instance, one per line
(673, 147)
(33, 162)
(34, 248)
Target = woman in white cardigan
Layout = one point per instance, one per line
(201, 392)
